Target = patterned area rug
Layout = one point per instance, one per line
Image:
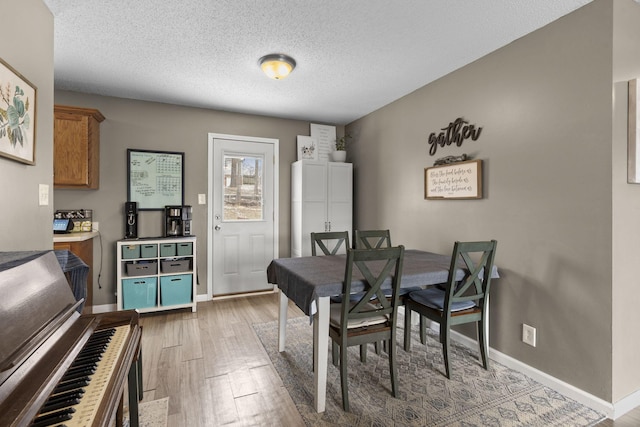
(151, 414)
(472, 397)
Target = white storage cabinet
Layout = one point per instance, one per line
(156, 274)
(321, 200)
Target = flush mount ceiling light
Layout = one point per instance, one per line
(276, 65)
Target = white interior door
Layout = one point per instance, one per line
(242, 213)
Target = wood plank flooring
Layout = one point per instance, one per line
(212, 366)
(630, 419)
(215, 372)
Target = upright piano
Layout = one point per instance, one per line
(58, 367)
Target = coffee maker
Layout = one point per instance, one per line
(131, 220)
(177, 221)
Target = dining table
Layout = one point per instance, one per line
(311, 281)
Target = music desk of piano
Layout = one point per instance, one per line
(43, 340)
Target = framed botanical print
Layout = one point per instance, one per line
(17, 116)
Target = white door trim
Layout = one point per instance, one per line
(276, 205)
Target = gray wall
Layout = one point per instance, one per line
(25, 225)
(155, 126)
(545, 105)
(626, 207)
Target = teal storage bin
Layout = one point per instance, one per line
(149, 251)
(184, 249)
(176, 289)
(139, 293)
(168, 249)
(130, 251)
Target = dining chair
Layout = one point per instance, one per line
(372, 239)
(373, 317)
(459, 301)
(329, 242)
(375, 239)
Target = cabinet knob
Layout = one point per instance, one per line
(217, 228)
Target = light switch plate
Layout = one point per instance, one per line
(43, 194)
(202, 199)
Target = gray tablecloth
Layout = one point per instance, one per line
(306, 278)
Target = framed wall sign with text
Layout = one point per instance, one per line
(462, 180)
(155, 178)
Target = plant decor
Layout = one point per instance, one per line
(341, 143)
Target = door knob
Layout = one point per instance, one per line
(217, 228)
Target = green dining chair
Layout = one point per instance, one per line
(372, 239)
(373, 317)
(376, 239)
(330, 242)
(464, 301)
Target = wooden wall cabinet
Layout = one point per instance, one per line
(76, 147)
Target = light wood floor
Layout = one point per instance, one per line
(212, 366)
(215, 372)
(630, 419)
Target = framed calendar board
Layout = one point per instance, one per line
(155, 178)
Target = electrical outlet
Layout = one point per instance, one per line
(95, 225)
(202, 199)
(528, 335)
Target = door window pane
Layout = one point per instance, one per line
(243, 188)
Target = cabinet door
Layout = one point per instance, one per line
(340, 196)
(71, 150)
(314, 203)
(76, 148)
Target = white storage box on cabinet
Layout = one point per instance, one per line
(151, 278)
(321, 200)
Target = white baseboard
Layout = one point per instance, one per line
(105, 308)
(611, 410)
(239, 295)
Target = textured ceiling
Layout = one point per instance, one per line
(353, 57)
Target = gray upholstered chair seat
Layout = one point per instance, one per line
(434, 298)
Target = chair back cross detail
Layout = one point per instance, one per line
(477, 280)
(330, 243)
(373, 282)
(372, 239)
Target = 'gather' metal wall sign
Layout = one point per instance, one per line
(456, 133)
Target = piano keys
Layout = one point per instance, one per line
(51, 348)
